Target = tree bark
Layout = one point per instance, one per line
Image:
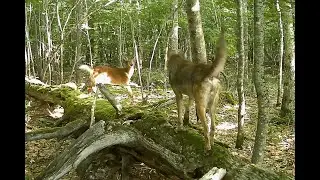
(287, 107)
(139, 42)
(78, 43)
(240, 78)
(120, 36)
(280, 88)
(246, 40)
(145, 134)
(173, 45)
(260, 84)
(198, 46)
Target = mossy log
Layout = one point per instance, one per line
(149, 138)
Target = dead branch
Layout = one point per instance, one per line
(56, 132)
(76, 152)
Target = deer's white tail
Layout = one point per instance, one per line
(86, 68)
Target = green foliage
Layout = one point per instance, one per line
(147, 20)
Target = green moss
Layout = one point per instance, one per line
(251, 171)
(104, 110)
(187, 141)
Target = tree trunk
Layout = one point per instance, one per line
(198, 46)
(246, 40)
(280, 88)
(139, 34)
(150, 62)
(62, 43)
(173, 45)
(260, 84)
(189, 53)
(86, 29)
(293, 4)
(120, 37)
(145, 134)
(28, 52)
(136, 56)
(78, 43)
(240, 78)
(48, 49)
(287, 107)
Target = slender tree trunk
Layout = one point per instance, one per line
(27, 71)
(214, 8)
(293, 5)
(280, 60)
(135, 47)
(62, 43)
(251, 62)
(50, 74)
(198, 46)
(173, 45)
(240, 78)
(28, 52)
(246, 39)
(166, 48)
(260, 84)
(48, 49)
(40, 59)
(189, 52)
(87, 33)
(150, 62)
(139, 34)
(33, 46)
(120, 37)
(287, 107)
(159, 57)
(78, 40)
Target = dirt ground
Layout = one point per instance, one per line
(279, 155)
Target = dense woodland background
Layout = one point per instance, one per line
(61, 35)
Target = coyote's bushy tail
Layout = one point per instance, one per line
(221, 56)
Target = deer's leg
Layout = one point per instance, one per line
(129, 91)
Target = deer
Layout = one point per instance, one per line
(109, 75)
(200, 82)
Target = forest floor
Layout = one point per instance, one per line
(279, 154)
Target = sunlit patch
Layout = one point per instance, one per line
(81, 86)
(71, 85)
(34, 80)
(57, 112)
(229, 107)
(287, 143)
(226, 126)
(133, 84)
(82, 96)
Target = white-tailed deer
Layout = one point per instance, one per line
(110, 75)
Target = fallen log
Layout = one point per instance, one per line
(141, 134)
